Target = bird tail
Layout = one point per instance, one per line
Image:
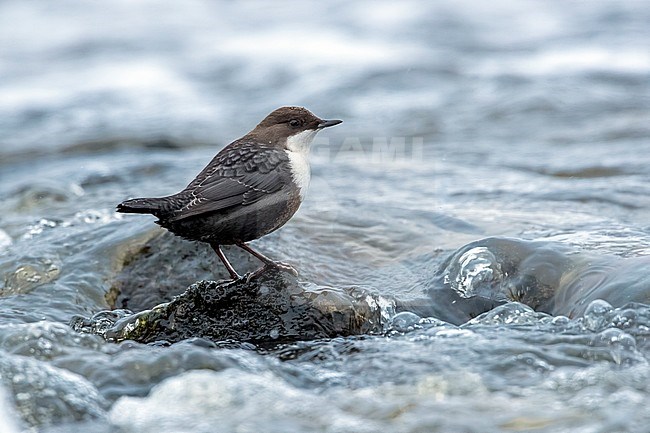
(141, 205)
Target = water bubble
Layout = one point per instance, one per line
(512, 313)
(100, 323)
(598, 307)
(478, 268)
(596, 315)
(560, 321)
(39, 227)
(428, 322)
(405, 321)
(92, 216)
(616, 337)
(625, 319)
(620, 345)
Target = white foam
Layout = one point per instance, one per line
(8, 420)
(5, 240)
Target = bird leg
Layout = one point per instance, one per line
(267, 261)
(233, 274)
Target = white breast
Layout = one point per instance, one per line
(298, 152)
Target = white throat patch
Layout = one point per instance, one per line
(300, 142)
(298, 152)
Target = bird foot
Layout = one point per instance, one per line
(285, 267)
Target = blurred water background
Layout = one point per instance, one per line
(462, 120)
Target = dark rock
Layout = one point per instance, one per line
(269, 309)
(164, 265)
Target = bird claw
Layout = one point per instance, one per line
(285, 267)
(248, 276)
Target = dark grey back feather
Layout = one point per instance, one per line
(240, 175)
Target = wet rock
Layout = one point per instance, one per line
(549, 277)
(162, 266)
(615, 280)
(271, 308)
(29, 276)
(42, 195)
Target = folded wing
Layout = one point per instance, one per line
(240, 175)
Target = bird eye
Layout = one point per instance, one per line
(295, 123)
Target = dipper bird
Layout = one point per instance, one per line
(249, 189)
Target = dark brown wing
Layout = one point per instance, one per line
(240, 175)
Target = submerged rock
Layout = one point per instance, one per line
(549, 277)
(270, 308)
(490, 272)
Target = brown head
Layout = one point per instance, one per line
(291, 128)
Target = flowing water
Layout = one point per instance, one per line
(520, 121)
